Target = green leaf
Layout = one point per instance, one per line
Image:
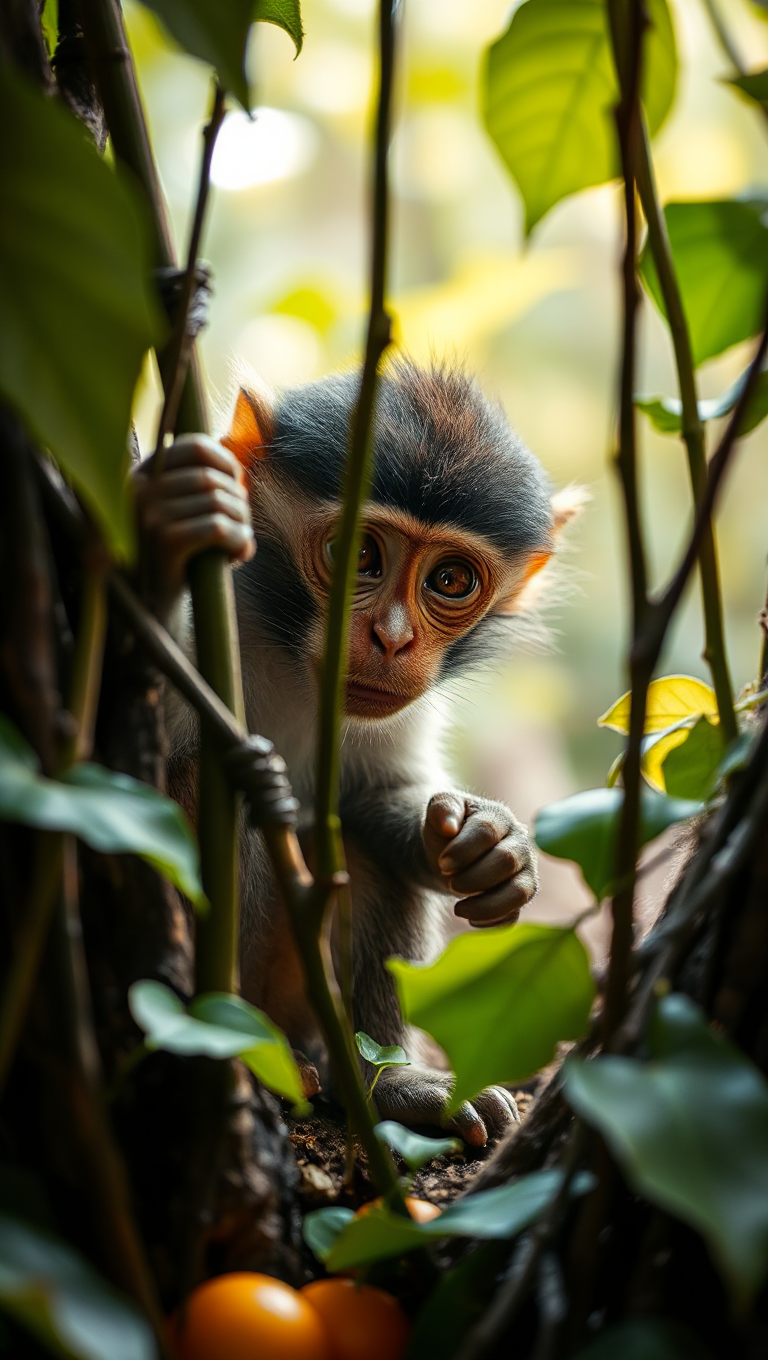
(321, 1228)
(218, 33)
(690, 1131)
(498, 1001)
(754, 86)
(54, 1293)
(691, 770)
(457, 1301)
(646, 1339)
(549, 92)
(720, 253)
(111, 812)
(414, 1148)
(391, 1056)
(78, 312)
(217, 1025)
(666, 413)
(583, 828)
(670, 699)
(490, 1214)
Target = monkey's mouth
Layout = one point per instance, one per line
(366, 701)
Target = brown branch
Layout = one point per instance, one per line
(179, 348)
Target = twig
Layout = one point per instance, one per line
(693, 434)
(723, 36)
(179, 347)
(627, 45)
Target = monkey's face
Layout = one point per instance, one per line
(419, 589)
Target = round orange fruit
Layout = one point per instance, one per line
(362, 1322)
(246, 1315)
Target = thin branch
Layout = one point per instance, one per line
(693, 434)
(627, 28)
(179, 348)
(724, 37)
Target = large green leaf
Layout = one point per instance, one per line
(217, 32)
(110, 812)
(217, 1025)
(498, 1001)
(690, 1130)
(583, 828)
(77, 310)
(691, 769)
(457, 1301)
(54, 1293)
(549, 93)
(666, 413)
(720, 253)
(490, 1214)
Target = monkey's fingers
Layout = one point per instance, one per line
(188, 481)
(487, 1116)
(482, 830)
(495, 867)
(219, 501)
(191, 536)
(445, 817)
(199, 450)
(501, 905)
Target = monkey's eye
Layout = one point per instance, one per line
(453, 580)
(368, 558)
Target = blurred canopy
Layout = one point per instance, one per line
(536, 321)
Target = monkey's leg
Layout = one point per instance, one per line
(390, 917)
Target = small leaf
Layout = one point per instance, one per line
(549, 93)
(217, 1025)
(218, 34)
(754, 86)
(657, 747)
(583, 828)
(720, 254)
(391, 1056)
(322, 1227)
(498, 1001)
(78, 309)
(691, 769)
(490, 1214)
(111, 812)
(690, 1131)
(666, 413)
(414, 1148)
(670, 699)
(55, 1294)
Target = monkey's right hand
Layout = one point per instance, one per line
(419, 1095)
(199, 500)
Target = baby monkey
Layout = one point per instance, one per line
(458, 523)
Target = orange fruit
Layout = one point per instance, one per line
(363, 1322)
(244, 1315)
(420, 1209)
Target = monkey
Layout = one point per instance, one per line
(459, 522)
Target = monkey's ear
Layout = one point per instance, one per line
(250, 433)
(525, 590)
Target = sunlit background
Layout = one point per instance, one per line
(537, 321)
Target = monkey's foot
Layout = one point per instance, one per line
(419, 1095)
(310, 1080)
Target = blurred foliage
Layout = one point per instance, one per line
(537, 322)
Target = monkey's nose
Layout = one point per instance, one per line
(392, 633)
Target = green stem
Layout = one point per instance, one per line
(693, 434)
(209, 574)
(723, 36)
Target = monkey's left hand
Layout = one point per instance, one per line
(483, 855)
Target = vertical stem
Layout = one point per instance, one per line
(209, 574)
(693, 435)
(627, 24)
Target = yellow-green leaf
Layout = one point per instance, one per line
(670, 699)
